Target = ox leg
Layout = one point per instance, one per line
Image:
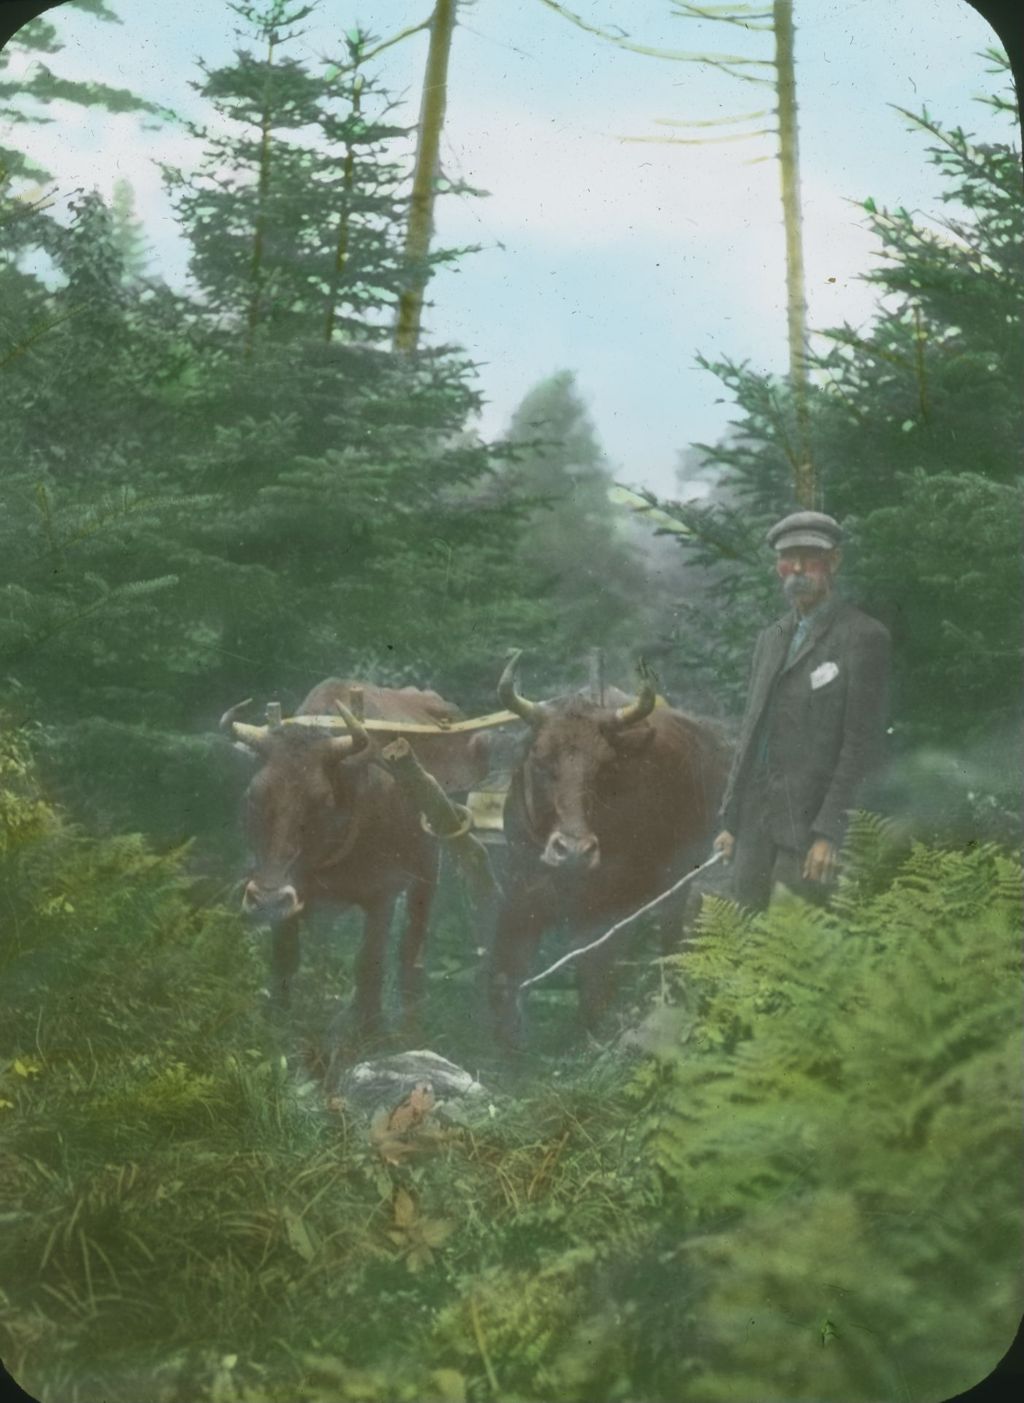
(284, 962)
(411, 972)
(366, 1004)
(516, 938)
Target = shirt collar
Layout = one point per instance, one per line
(820, 611)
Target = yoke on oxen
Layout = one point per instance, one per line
(484, 808)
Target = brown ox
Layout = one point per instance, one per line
(329, 828)
(608, 807)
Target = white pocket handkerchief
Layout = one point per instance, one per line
(823, 674)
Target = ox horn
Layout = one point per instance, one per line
(642, 707)
(252, 736)
(358, 737)
(510, 698)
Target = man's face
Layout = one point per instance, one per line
(806, 574)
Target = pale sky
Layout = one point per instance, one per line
(618, 260)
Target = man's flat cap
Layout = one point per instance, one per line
(806, 529)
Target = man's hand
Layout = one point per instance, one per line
(725, 844)
(820, 862)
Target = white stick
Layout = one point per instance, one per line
(626, 920)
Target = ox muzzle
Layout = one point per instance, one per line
(572, 853)
(269, 904)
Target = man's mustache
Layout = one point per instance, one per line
(799, 584)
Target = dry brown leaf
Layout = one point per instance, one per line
(414, 1109)
(397, 1133)
(405, 1209)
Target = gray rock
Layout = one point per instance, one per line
(385, 1081)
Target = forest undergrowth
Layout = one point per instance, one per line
(791, 1173)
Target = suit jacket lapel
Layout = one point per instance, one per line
(774, 656)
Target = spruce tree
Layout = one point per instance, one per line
(128, 232)
(246, 210)
(574, 550)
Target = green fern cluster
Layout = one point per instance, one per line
(517, 1317)
(834, 1113)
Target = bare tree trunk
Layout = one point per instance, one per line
(796, 301)
(421, 213)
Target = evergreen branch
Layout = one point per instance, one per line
(77, 616)
(338, 69)
(836, 382)
(716, 121)
(26, 208)
(717, 11)
(643, 504)
(43, 502)
(1005, 105)
(622, 41)
(695, 140)
(37, 36)
(955, 140)
(683, 520)
(726, 68)
(999, 60)
(101, 518)
(776, 417)
(920, 337)
(727, 14)
(845, 336)
(36, 335)
(99, 9)
(47, 86)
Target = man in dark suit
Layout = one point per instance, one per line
(814, 725)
